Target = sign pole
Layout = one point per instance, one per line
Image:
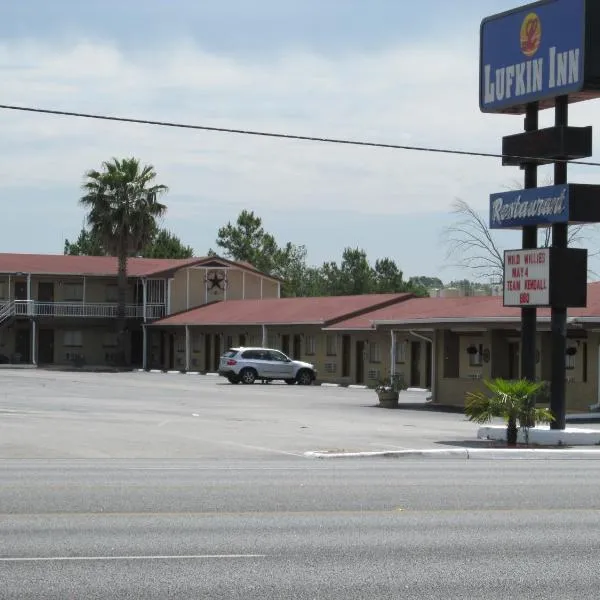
(559, 313)
(529, 235)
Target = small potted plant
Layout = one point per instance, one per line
(388, 390)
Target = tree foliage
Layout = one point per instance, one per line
(247, 240)
(166, 245)
(514, 401)
(471, 245)
(123, 208)
(163, 244)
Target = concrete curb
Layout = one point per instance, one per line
(543, 435)
(469, 454)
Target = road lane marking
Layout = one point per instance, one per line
(133, 557)
(228, 443)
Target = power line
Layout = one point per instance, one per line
(287, 136)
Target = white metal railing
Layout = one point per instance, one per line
(98, 310)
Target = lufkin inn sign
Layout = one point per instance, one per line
(543, 55)
(538, 52)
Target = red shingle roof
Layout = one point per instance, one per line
(471, 308)
(60, 264)
(282, 311)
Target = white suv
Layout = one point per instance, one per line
(246, 365)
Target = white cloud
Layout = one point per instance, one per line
(418, 95)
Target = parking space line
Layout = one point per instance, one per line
(261, 448)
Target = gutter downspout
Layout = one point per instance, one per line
(433, 365)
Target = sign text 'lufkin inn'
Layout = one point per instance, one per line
(538, 52)
(556, 70)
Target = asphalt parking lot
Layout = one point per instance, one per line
(55, 414)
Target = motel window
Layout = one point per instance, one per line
(476, 357)
(331, 345)
(229, 341)
(73, 339)
(374, 352)
(401, 348)
(109, 339)
(73, 292)
(3, 291)
(310, 345)
(112, 293)
(180, 345)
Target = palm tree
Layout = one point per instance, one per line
(122, 200)
(512, 400)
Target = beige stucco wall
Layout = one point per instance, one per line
(92, 346)
(93, 349)
(313, 342)
(580, 394)
(240, 285)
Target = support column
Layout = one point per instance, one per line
(529, 314)
(393, 353)
(144, 347)
(144, 330)
(144, 298)
(29, 307)
(168, 298)
(33, 342)
(84, 290)
(559, 314)
(279, 289)
(265, 340)
(187, 347)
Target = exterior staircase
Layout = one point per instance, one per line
(7, 312)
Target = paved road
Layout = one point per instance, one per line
(295, 528)
(45, 414)
(169, 486)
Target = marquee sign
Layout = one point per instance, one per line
(538, 52)
(543, 277)
(527, 277)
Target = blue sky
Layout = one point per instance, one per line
(383, 70)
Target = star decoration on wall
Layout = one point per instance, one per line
(216, 280)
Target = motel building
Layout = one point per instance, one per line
(183, 314)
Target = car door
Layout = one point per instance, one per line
(280, 365)
(256, 360)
